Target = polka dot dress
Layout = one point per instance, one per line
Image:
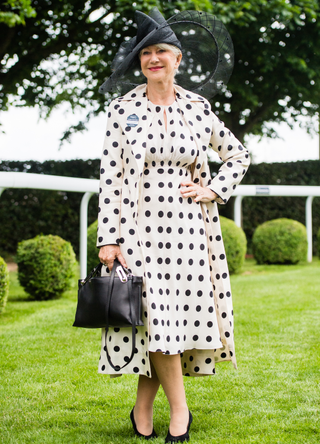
(174, 242)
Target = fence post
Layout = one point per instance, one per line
(237, 210)
(83, 233)
(309, 226)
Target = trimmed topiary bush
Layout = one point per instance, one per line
(46, 266)
(280, 241)
(92, 250)
(235, 244)
(4, 284)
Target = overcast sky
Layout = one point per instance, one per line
(28, 138)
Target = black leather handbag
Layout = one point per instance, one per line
(110, 301)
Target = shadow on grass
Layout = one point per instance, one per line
(23, 297)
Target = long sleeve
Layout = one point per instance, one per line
(235, 160)
(111, 177)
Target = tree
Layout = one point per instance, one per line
(64, 52)
(276, 74)
(14, 12)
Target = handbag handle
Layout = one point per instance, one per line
(116, 263)
(94, 272)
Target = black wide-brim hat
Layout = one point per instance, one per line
(206, 46)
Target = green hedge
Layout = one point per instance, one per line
(45, 266)
(257, 210)
(36, 211)
(235, 244)
(4, 284)
(319, 242)
(280, 241)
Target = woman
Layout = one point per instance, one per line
(158, 213)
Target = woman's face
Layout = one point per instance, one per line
(158, 65)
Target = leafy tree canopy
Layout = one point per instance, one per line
(55, 51)
(276, 74)
(14, 12)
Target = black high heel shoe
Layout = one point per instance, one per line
(180, 438)
(137, 433)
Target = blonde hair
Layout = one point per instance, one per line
(174, 49)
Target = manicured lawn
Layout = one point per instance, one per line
(50, 391)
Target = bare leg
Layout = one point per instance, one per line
(143, 410)
(168, 368)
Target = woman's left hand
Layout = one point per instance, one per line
(199, 193)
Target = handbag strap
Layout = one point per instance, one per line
(133, 315)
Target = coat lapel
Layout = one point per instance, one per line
(135, 121)
(198, 122)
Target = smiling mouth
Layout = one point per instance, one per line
(155, 68)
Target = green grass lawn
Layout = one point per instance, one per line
(50, 391)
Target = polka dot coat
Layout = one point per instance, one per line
(171, 324)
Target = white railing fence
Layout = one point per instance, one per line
(91, 186)
(279, 190)
(58, 183)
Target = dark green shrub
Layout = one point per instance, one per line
(34, 212)
(46, 266)
(4, 284)
(92, 251)
(280, 241)
(318, 243)
(235, 244)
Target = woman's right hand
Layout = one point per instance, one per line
(108, 253)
